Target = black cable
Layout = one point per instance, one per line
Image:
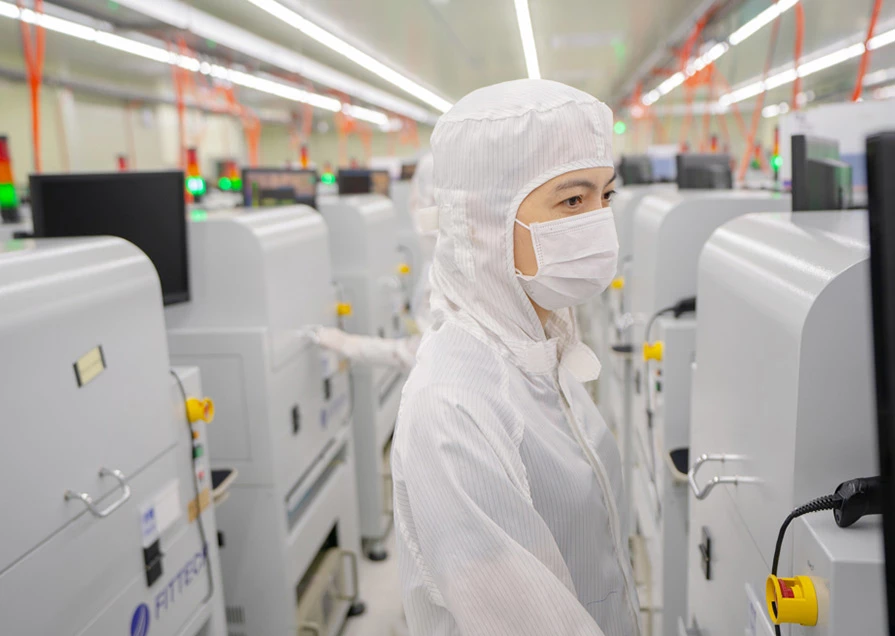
(827, 502)
(196, 488)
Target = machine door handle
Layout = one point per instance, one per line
(702, 493)
(88, 500)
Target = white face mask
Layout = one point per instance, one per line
(577, 259)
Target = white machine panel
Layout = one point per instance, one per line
(363, 232)
(783, 380)
(261, 279)
(847, 568)
(87, 389)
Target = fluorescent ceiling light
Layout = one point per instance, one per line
(808, 68)
(357, 56)
(359, 112)
(162, 55)
(9, 10)
(739, 36)
(203, 25)
(786, 77)
(881, 40)
(523, 17)
(761, 20)
(837, 57)
(775, 110)
(671, 83)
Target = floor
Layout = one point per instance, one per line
(380, 591)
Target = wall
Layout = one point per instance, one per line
(82, 131)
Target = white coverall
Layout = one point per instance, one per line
(507, 483)
(396, 352)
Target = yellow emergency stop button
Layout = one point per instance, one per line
(343, 309)
(197, 409)
(653, 351)
(791, 600)
(404, 269)
(618, 283)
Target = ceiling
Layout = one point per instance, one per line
(455, 46)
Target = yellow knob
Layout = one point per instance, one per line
(197, 409)
(404, 268)
(791, 600)
(618, 283)
(653, 351)
(343, 309)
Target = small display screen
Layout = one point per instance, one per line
(365, 182)
(264, 187)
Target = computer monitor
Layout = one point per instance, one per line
(264, 187)
(881, 213)
(635, 169)
(407, 171)
(362, 181)
(704, 172)
(820, 180)
(145, 208)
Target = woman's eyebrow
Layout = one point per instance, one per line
(576, 183)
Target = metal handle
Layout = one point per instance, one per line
(702, 493)
(88, 500)
(352, 561)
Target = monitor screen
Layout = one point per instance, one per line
(881, 213)
(704, 172)
(635, 170)
(813, 159)
(263, 187)
(364, 182)
(145, 208)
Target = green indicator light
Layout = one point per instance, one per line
(211, 44)
(327, 177)
(13, 245)
(224, 183)
(198, 215)
(777, 162)
(195, 185)
(620, 127)
(8, 198)
(236, 184)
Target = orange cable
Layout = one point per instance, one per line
(865, 59)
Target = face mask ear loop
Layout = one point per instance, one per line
(527, 227)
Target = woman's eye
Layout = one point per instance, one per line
(608, 196)
(574, 202)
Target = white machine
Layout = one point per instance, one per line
(364, 251)
(102, 461)
(408, 239)
(601, 321)
(669, 232)
(782, 412)
(289, 529)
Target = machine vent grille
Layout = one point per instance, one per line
(236, 615)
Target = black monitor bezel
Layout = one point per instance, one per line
(38, 220)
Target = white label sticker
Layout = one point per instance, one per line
(167, 505)
(149, 525)
(160, 513)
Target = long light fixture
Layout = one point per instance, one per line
(162, 55)
(806, 69)
(715, 52)
(526, 32)
(761, 20)
(185, 17)
(354, 54)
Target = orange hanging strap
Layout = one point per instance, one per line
(756, 114)
(797, 55)
(865, 59)
(33, 49)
